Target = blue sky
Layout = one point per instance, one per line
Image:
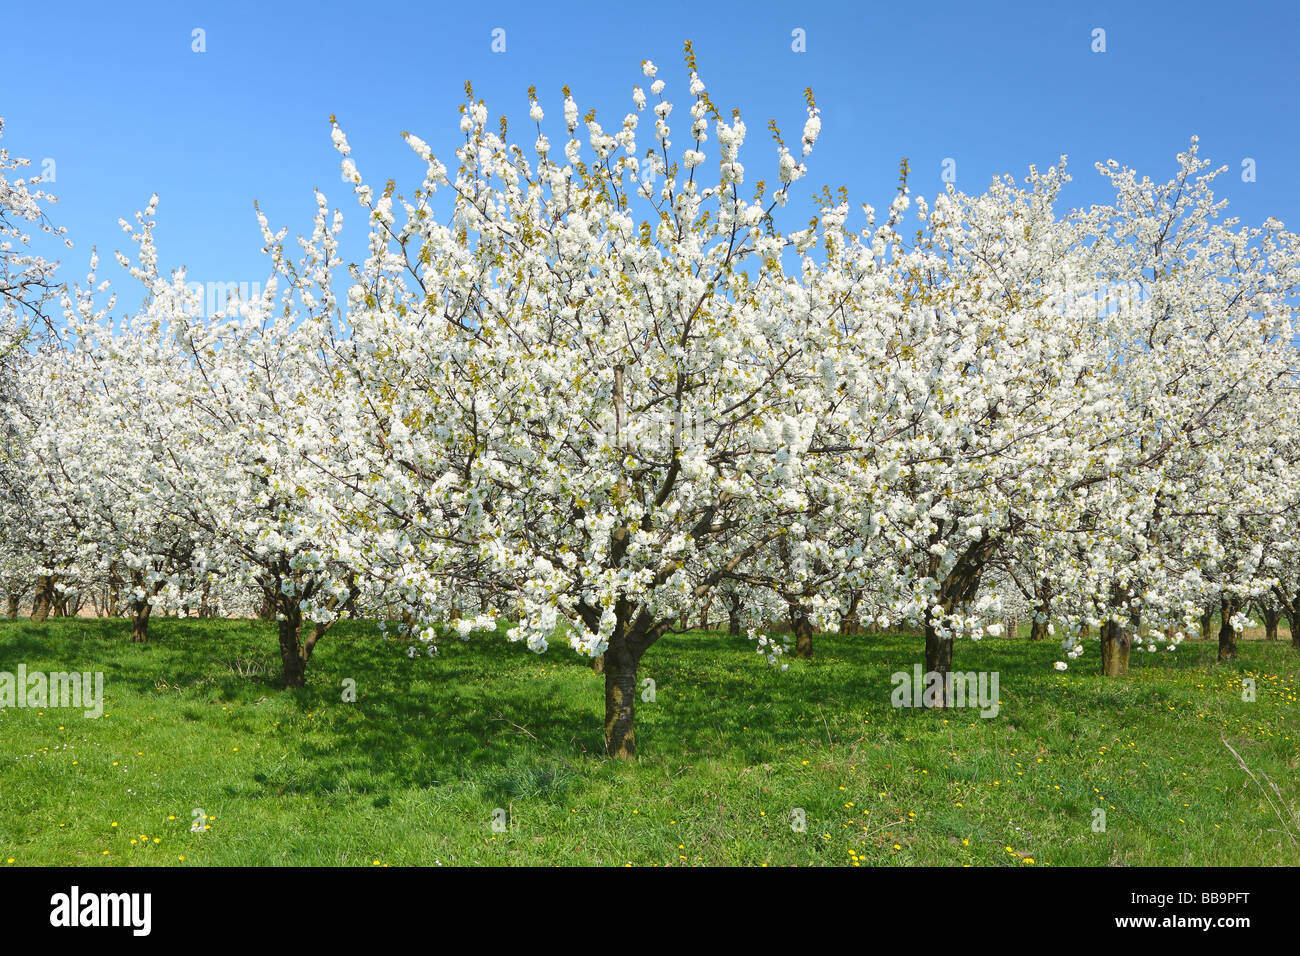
(114, 94)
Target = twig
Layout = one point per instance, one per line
(513, 724)
(829, 740)
(1287, 827)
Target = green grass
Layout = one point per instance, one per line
(412, 772)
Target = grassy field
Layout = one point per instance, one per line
(412, 772)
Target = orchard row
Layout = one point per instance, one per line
(597, 387)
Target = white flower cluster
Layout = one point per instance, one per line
(591, 402)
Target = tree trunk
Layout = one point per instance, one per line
(1207, 624)
(1116, 643)
(850, 622)
(1272, 616)
(140, 623)
(803, 632)
(1042, 611)
(114, 584)
(267, 611)
(291, 650)
(733, 620)
(1012, 625)
(11, 611)
(1292, 611)
(598, 664)
(1227, 635)
(620, 701)
(43, 601)
(938, 660)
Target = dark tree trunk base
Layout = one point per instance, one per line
(803, 632)
(1272, 617)
(43, 602)
(140, 625)
(620, 703)
(291, 653)
(938, 660)
(1227, 643)
(1227, 636)
(1116, 645)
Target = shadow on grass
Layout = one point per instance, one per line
(515, 725)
